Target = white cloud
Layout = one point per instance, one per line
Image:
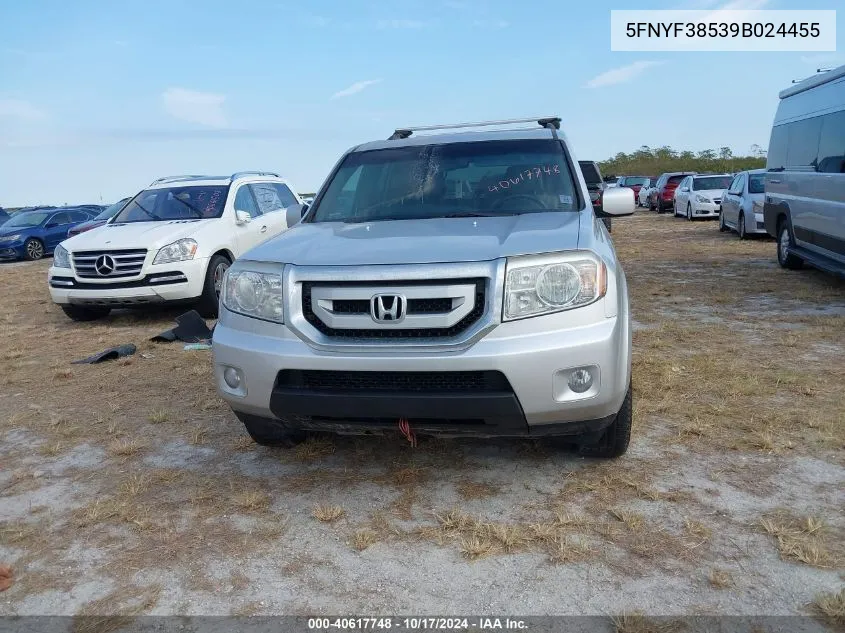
(21, 110)
(204, 108)
(355, 88)
(400, 24)
(621, 75)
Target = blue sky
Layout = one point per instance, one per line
(98, 98)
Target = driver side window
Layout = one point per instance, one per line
(59, 219)
(245, 202)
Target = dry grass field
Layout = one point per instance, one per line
(128, 487)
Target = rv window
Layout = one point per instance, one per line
(803, 148)
(832, 144)
(777, 148)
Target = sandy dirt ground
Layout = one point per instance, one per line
(128, 487)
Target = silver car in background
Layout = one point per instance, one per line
(805, 180)
(742, 204)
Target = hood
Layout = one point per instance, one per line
(709, 193)
(421, 241)
(87, 226)
(149, 235)
(14, 230)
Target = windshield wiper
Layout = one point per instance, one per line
(145, 210)
(191, 207)
(473, 214)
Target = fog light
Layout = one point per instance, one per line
(580, 380)
(232, 377)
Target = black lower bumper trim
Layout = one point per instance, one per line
(494, 409)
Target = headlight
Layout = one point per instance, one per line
(702, 199)
(10, 238)
(254, 294)
(756, 207)
(536, 285)
(61, 259)
(178, 251)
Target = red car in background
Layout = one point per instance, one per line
(632, 182)
(663, 195)
(107, 214)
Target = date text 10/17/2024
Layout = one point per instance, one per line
(417, 624)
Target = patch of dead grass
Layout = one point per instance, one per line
(471, 490)
(831, 607)
(328, 513)
(801, 539)
(720, 578)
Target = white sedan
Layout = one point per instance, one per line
(700, 196)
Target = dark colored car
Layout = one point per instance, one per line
(632, 182)
(34, 234)
(100, 219)
(595, 186)
(663, 196)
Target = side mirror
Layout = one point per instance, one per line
(684, 188)
(294, 213)
(242, 217)
(51, 225)
(618, 201)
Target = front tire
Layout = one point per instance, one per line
(740, 226)
(85, 313)
(266, 433)
(209, 302)
(785, 243)
(33, 249)
(616, 438)
(722, 226)
(689, 212)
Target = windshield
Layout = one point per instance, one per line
(757, 183)
(449, 180)
(110, 212)
(26, 219)
(714, 182)
(175, 203)
(674, 181)
(631, 182)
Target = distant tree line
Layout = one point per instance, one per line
(648, 161)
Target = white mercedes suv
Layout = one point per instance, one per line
(171, 243)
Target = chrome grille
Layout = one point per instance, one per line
(433, 309)
(127, 263)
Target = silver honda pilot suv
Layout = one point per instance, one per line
(453, 284)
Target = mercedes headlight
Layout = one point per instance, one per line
(61, 258)
(702, 199)
(178, 251)
(254, 294)
(543, 284)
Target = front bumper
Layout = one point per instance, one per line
(533, 357)
(706, 209)
(758, 226)
(11, 250)
(152, 287)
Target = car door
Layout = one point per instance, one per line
(55, 229)
(273, 199)
(731, 202)
(254, 231)
(682, 194)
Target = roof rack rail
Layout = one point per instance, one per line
(175, 178)
(552, 122)
(240, 174)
